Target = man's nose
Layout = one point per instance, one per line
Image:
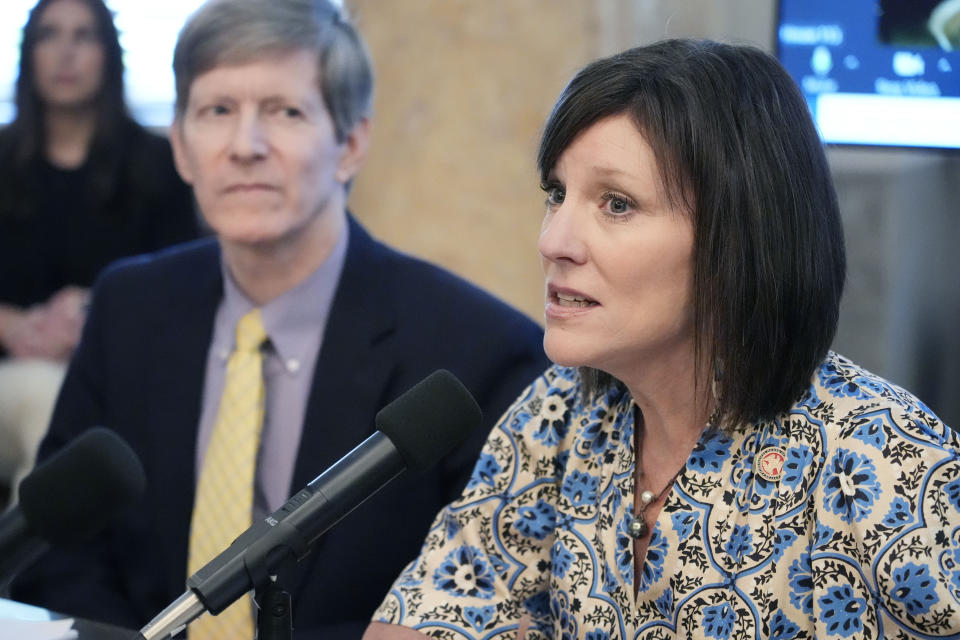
(249, 140)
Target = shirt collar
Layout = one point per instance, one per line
(292, 319)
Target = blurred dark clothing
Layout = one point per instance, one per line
(57, 230)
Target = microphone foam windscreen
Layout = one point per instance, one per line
(430, 419)
(79, 489)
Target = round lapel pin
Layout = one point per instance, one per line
(769, 463)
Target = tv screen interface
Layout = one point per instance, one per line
(876, 72)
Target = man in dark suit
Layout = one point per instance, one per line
(273, 100)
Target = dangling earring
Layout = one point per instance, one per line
(714, 420)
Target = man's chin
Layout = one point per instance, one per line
(258, 241)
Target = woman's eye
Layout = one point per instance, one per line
(45, 33)
(616, 204)
(555, 194)
(87, 36)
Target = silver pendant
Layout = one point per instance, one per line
(637, 528)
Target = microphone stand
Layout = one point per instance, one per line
(275, 619)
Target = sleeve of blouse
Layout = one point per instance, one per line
(485, 562)
(886, 553)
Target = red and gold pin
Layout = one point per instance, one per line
(769, 463)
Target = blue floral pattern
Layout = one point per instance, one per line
(795, 467)
(782, 540)
(899, 514)
(850, 485)
(914, 587)
(664, 604)
(683, 524)
(823, 536)
(479, 617)
(580, 488)
(710, 453)
(837, 383)
(952, 491)
(718, 621)
(781, 627)
(551, 422)
(465, 573)
(871, 432)
(801, 583)
(950, 565)
(561, 560)
(625, 551)
(740, 543)
(656, 558)
(485, 471)
(859, 537)
(842, 611)
(536, 521)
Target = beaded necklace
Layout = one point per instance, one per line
(637, 527)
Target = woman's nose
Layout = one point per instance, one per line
(562, 235)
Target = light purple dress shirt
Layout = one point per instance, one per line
(295, 323)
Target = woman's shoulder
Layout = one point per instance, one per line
(143, 142)
(871, 479)
(147, 160)
(10, 137)
(851, 402)
(558, 383)
(559, 414)
(561, 396)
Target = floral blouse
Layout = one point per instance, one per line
(852, 531)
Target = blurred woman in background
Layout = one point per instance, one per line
(81, 184)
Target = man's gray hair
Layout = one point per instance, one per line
(232, 32)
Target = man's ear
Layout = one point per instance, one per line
(354, 150)
(179, 151)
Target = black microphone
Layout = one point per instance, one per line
(68, 498)
(414, 432)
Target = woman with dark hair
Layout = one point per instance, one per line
(698, 462)
(81, 184)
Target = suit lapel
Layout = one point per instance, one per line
(181, 345)
(352, 370)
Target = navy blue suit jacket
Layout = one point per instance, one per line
(140, 369)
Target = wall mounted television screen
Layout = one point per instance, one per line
(876, 72)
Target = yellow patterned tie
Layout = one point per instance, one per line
(224, 503)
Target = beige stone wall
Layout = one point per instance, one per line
(463, 88)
